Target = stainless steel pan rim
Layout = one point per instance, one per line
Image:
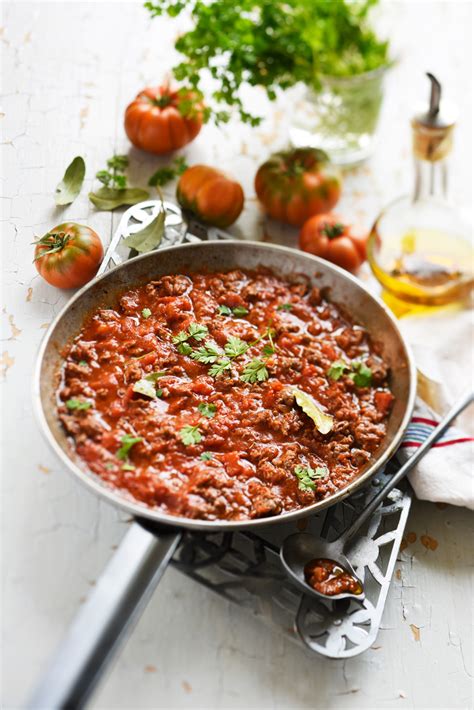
(136, 509)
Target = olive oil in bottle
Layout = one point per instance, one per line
(420, 248)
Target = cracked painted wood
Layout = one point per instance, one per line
(69, 69)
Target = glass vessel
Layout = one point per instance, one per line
(420, 247)
(341, 118)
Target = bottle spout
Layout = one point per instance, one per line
(435, 96)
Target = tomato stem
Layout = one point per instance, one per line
(333, 230)
(56, 241)
(162, 101)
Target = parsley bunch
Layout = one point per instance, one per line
(271, 43)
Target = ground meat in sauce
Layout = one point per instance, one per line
(330, 578)
(243, 465)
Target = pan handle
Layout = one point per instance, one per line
(115, 605)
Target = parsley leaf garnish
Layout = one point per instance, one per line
(238, 311)
(285, 307)
(208, 410)
(362, 375)
(207, 353)
(180, 338)
(128, 467)
(79, 404)
(83, 362)
(146, 313)
(307, 475)
(255, 371)
(190, 435)
(185, 349)
(168, 172)
(206, 456)
(197, 331)
(268, 350)
(235, 347)
(127, 442)
(219, 367)
(337, 369)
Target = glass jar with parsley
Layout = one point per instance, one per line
(341, 117)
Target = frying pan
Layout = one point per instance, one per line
(138, 564)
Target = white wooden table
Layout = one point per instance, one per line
(69, 69)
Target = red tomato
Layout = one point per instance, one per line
(153, 120)
(69, 255)
(296, 184)
(211, 195)
(328, 236)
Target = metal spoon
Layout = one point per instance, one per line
(299, 549)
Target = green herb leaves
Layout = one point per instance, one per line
(207, 353)
(115, 192)
(324, 422)
(361, 375)
(196, 331)
(79, 404)
(207, 410)
(70, 186)
(238, 311)
(337, 369)
(146, 313)
(284, 307)
(305, 41)
(206, 456)
(168, 172)
(255, 371)
(127, 442)
(235, 347)
(307, 476)
(357, 370)
(149, 237)
(219, 368)
(190, 435)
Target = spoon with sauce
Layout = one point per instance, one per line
(322, 568)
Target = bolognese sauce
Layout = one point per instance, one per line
(224, 396)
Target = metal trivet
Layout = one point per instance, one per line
(245, 568)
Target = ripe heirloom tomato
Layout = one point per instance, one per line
(69, 255)
(153, 120)
(297, 184)
(328, 236)
(211, 195)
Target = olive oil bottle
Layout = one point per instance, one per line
(420, 248)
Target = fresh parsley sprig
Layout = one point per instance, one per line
(207, 353)
(190, 435)
(207, 409)
(168, 172)
(255, 371)
(357, 370)
(238, 311)
(307, 476)
(127, 441)
(79, 404)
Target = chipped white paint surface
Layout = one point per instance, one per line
(69, 70)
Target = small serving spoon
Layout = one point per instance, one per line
(299, 549)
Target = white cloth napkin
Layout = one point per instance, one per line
(442, 345)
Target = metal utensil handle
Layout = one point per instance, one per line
(116, 603)
(460, 405)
